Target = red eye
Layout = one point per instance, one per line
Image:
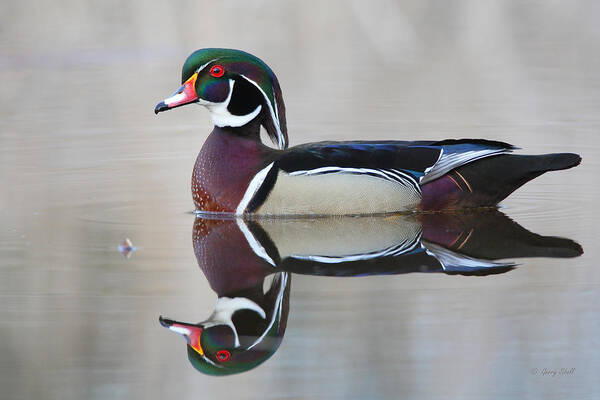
(217, 71)
(223, 355)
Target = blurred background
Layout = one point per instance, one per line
(85, 163)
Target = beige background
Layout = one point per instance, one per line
(84, 163)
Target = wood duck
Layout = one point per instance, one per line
(236, 173)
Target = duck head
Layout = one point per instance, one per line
(238, 89)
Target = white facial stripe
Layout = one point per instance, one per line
(204, 65)
(210, 362)
(280, 138)
(278, 308)
(220, 115)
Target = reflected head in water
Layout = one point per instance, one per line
(242, 331)
(248, 265)
(250, 316)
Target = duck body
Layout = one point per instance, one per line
(235, 173)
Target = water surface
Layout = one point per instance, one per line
(84, 164)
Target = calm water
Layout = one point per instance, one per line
(84, 164)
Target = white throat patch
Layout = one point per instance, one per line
(226, 307)
(220, 115)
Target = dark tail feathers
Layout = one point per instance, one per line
(492, 179)
(552, 162)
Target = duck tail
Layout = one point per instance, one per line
(553, 162)
(486, 182)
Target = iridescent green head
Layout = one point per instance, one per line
(236, 87)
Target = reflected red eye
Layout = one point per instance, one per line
(223, 355)
(217, 71)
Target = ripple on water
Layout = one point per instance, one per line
(551, 205)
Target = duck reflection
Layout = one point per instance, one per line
(249, 318)
(248, 263)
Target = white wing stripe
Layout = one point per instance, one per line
(256, 247)
(253, 187)
(410, 179)
(396, 176)
(450, 160)
(399, 249)
(452, 261)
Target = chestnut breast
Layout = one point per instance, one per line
(225, 166)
